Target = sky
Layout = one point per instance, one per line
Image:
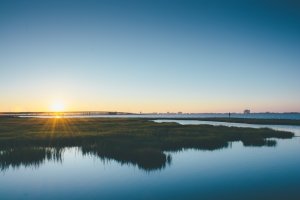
(150, 56)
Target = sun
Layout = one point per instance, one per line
(57, 107)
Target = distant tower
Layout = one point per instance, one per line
(247, 111)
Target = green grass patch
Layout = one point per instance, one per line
(137, 141)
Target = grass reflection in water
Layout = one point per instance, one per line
(31, 141)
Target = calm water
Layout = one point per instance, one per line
(236, 172)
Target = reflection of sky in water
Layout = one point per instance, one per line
(294, 129)
(241, 172)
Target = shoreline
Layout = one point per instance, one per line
(259, 121)
(291, 122)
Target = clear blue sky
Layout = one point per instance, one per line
(190, 56)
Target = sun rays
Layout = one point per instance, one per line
(58, 126)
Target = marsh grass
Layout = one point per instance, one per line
(291, 122)
(139, 142)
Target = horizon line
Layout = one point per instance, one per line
(138, 113)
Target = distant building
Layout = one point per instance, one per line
(247, 111)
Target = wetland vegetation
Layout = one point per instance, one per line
(292, 122)
(141, 142)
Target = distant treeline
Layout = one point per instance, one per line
(73, 113)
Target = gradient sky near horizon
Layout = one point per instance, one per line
(150, 56)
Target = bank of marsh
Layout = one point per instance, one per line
(138, 141)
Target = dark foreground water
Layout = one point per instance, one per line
(234, 172)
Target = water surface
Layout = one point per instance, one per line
(231, 172)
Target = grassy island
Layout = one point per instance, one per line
(137, 141)
(291, 122)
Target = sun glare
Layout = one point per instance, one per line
(57, 107)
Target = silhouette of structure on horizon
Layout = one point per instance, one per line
(247, 111)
